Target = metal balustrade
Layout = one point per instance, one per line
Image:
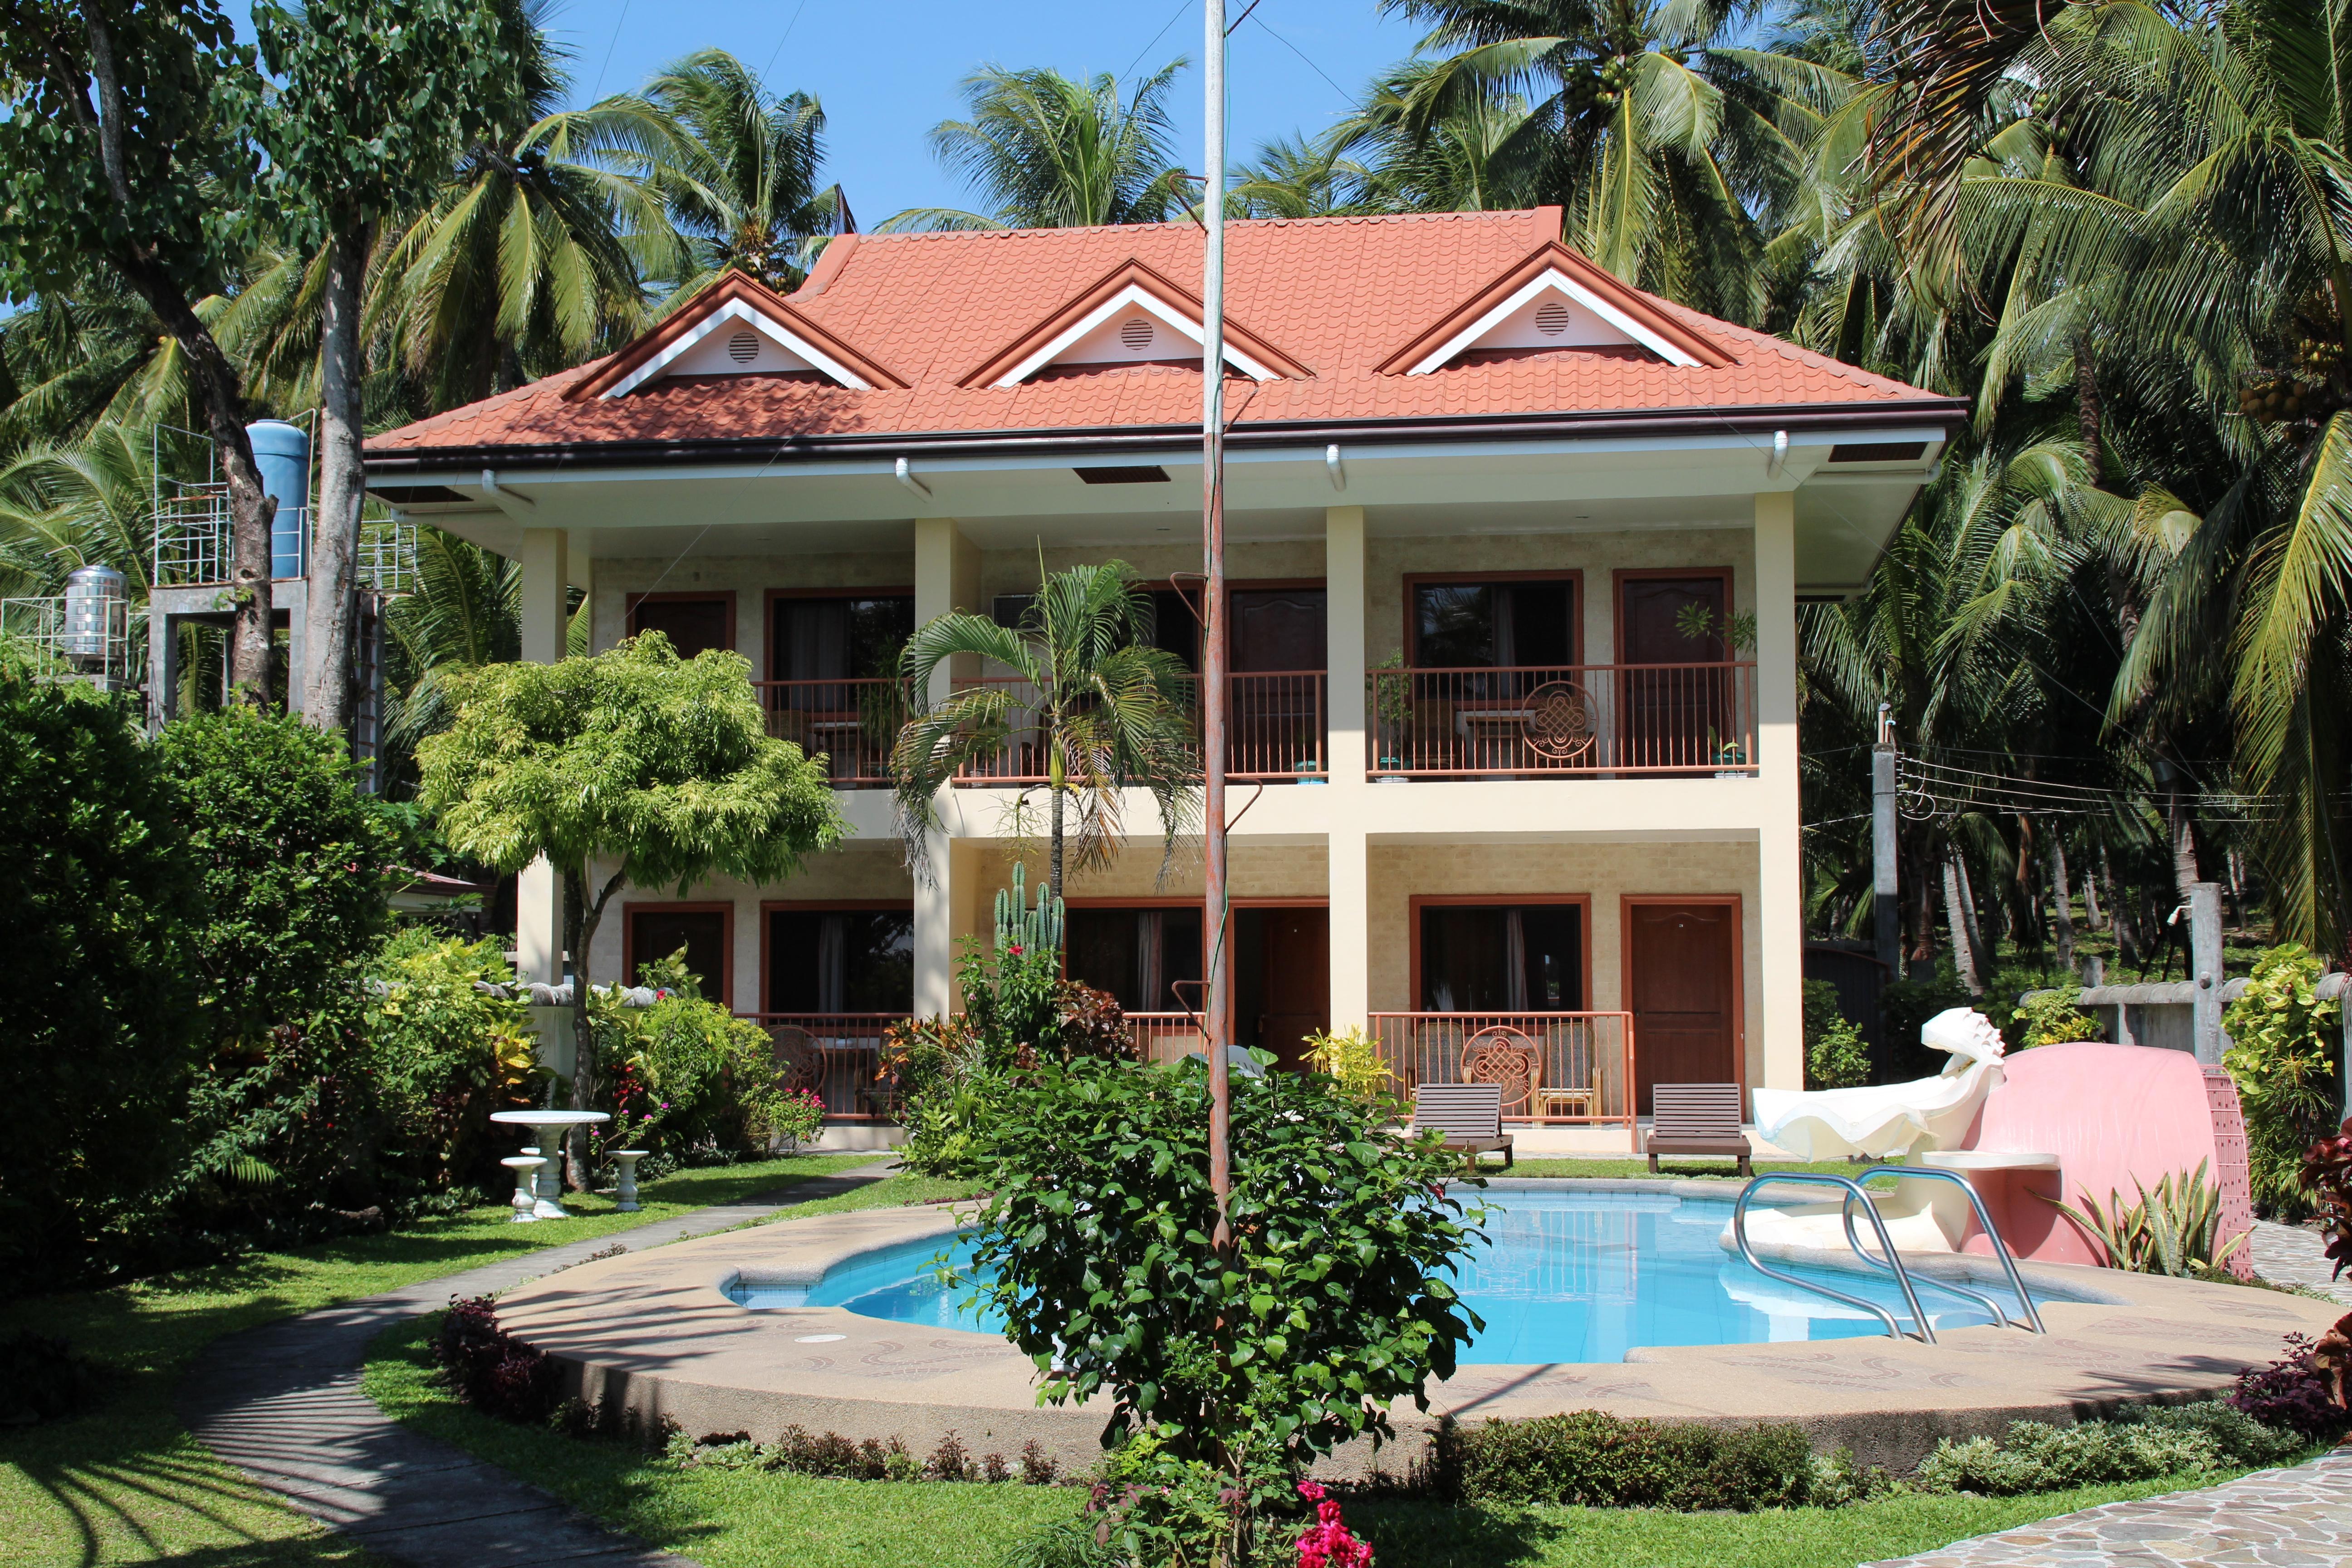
(853, 723)
(1278, 728)
(1568, 1070)
(842, 1053)
(1541, 721)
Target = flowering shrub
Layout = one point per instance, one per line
(489, 1368)
(786, 1115)
(2326, 1177)
(2296, 1392)
(450, 1054)
(1328, 1543)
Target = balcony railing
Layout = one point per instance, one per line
(839, 1055)
(1555, 1069)
(853, 723)
(1164, 1036)
(1530, 721)
(1276, 729)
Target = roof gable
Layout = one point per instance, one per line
(1131, 315)
(1555, 298)
(769, 336)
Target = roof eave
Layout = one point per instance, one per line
(1796, 418)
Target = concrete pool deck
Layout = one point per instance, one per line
(653, 1332)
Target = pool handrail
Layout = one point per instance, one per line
(1984, 1222)
(1991, 1308)
(1852, 1189)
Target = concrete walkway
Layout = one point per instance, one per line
(283, 1403)
(2290, 1255)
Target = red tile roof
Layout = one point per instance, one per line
(1344, 298)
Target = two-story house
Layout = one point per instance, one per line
(1516, 553)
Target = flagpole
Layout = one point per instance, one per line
(1217, 1007)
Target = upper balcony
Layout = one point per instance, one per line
(1521, 723)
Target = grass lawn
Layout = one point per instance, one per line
(750, 1518)
(126, 1483)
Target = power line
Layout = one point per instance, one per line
(1183, 7)
(778, 52)
(1252, 16)
(608, 51)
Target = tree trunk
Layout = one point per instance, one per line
(2061, 902)
(2090, 915)
(1955, 918)
(1053, 847)
(335, 529)
(2087, 417)
(1979, 951)
(1923, 918)
(222, 398)
(2183, 830)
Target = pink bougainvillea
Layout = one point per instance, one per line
(1328, 1543)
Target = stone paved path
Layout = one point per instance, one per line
(2299, 1518)
(283, 1403)
(2290, 1255)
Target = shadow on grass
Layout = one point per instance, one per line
(1407, 1534)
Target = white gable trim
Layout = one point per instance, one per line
(1555, 281)
(1134, 297)
(760, 321)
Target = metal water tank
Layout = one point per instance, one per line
(282, 452)
(94, 596)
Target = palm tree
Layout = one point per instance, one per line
(69, 365)
(533, 257)
(1047, 152)
(1656, 143)
(1107, 711)
(1479, 153)
(736, 167)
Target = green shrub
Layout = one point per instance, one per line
(1332, 1303)
(95, 1058)
(2284, 1058)
(2052, 1017)
(1598, 1460)
(1835, 1057)
(448, 1053)
(2034, 1457)
(683, 1078)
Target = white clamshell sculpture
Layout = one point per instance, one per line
(1890, 1120)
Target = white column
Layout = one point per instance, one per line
(538, 896)
(1345, 797)
(944, 562)
(1781, 920)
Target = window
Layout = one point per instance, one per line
(654, 933)
(840, 637)
(1502, 958)
(1524, 623)
(1135, 954)
(694, 623)
(841, 961)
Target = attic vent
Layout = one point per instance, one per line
(1877, 451)
(1551, 318)
(1136, 333)
(1129, 474)
(743, 347)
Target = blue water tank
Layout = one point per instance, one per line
(282, 452)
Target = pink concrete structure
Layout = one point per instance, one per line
(2112, 1115)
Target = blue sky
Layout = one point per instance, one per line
(887, 70)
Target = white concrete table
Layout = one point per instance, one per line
(550, 1127)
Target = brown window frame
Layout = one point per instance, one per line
(680, 596)
(1413, 580)
(767, 613)
(815, 907)
(1418, 901)
(635, 907)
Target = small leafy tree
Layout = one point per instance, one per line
(95, 1057)
(377, 101)
(1106, 710)
(2284, 1052)
(1332, 1303)
(635, 767)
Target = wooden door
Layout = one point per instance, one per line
(1681, 975)
(1673, 717)
(1298, 947)
(1276, 714)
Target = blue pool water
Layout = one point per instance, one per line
(1571, 1276)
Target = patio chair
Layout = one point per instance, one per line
(1470, 1115)
(1698, 1118)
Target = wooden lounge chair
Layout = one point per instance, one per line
(1698, 1118)
(1469, 1114)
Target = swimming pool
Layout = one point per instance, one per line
(1571, 1276)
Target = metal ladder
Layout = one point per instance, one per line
(1892, 1262)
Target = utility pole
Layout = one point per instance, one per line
(1885, 847)
(2205, 969)
(1217, 1006)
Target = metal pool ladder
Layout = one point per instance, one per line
(1892, 1262)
